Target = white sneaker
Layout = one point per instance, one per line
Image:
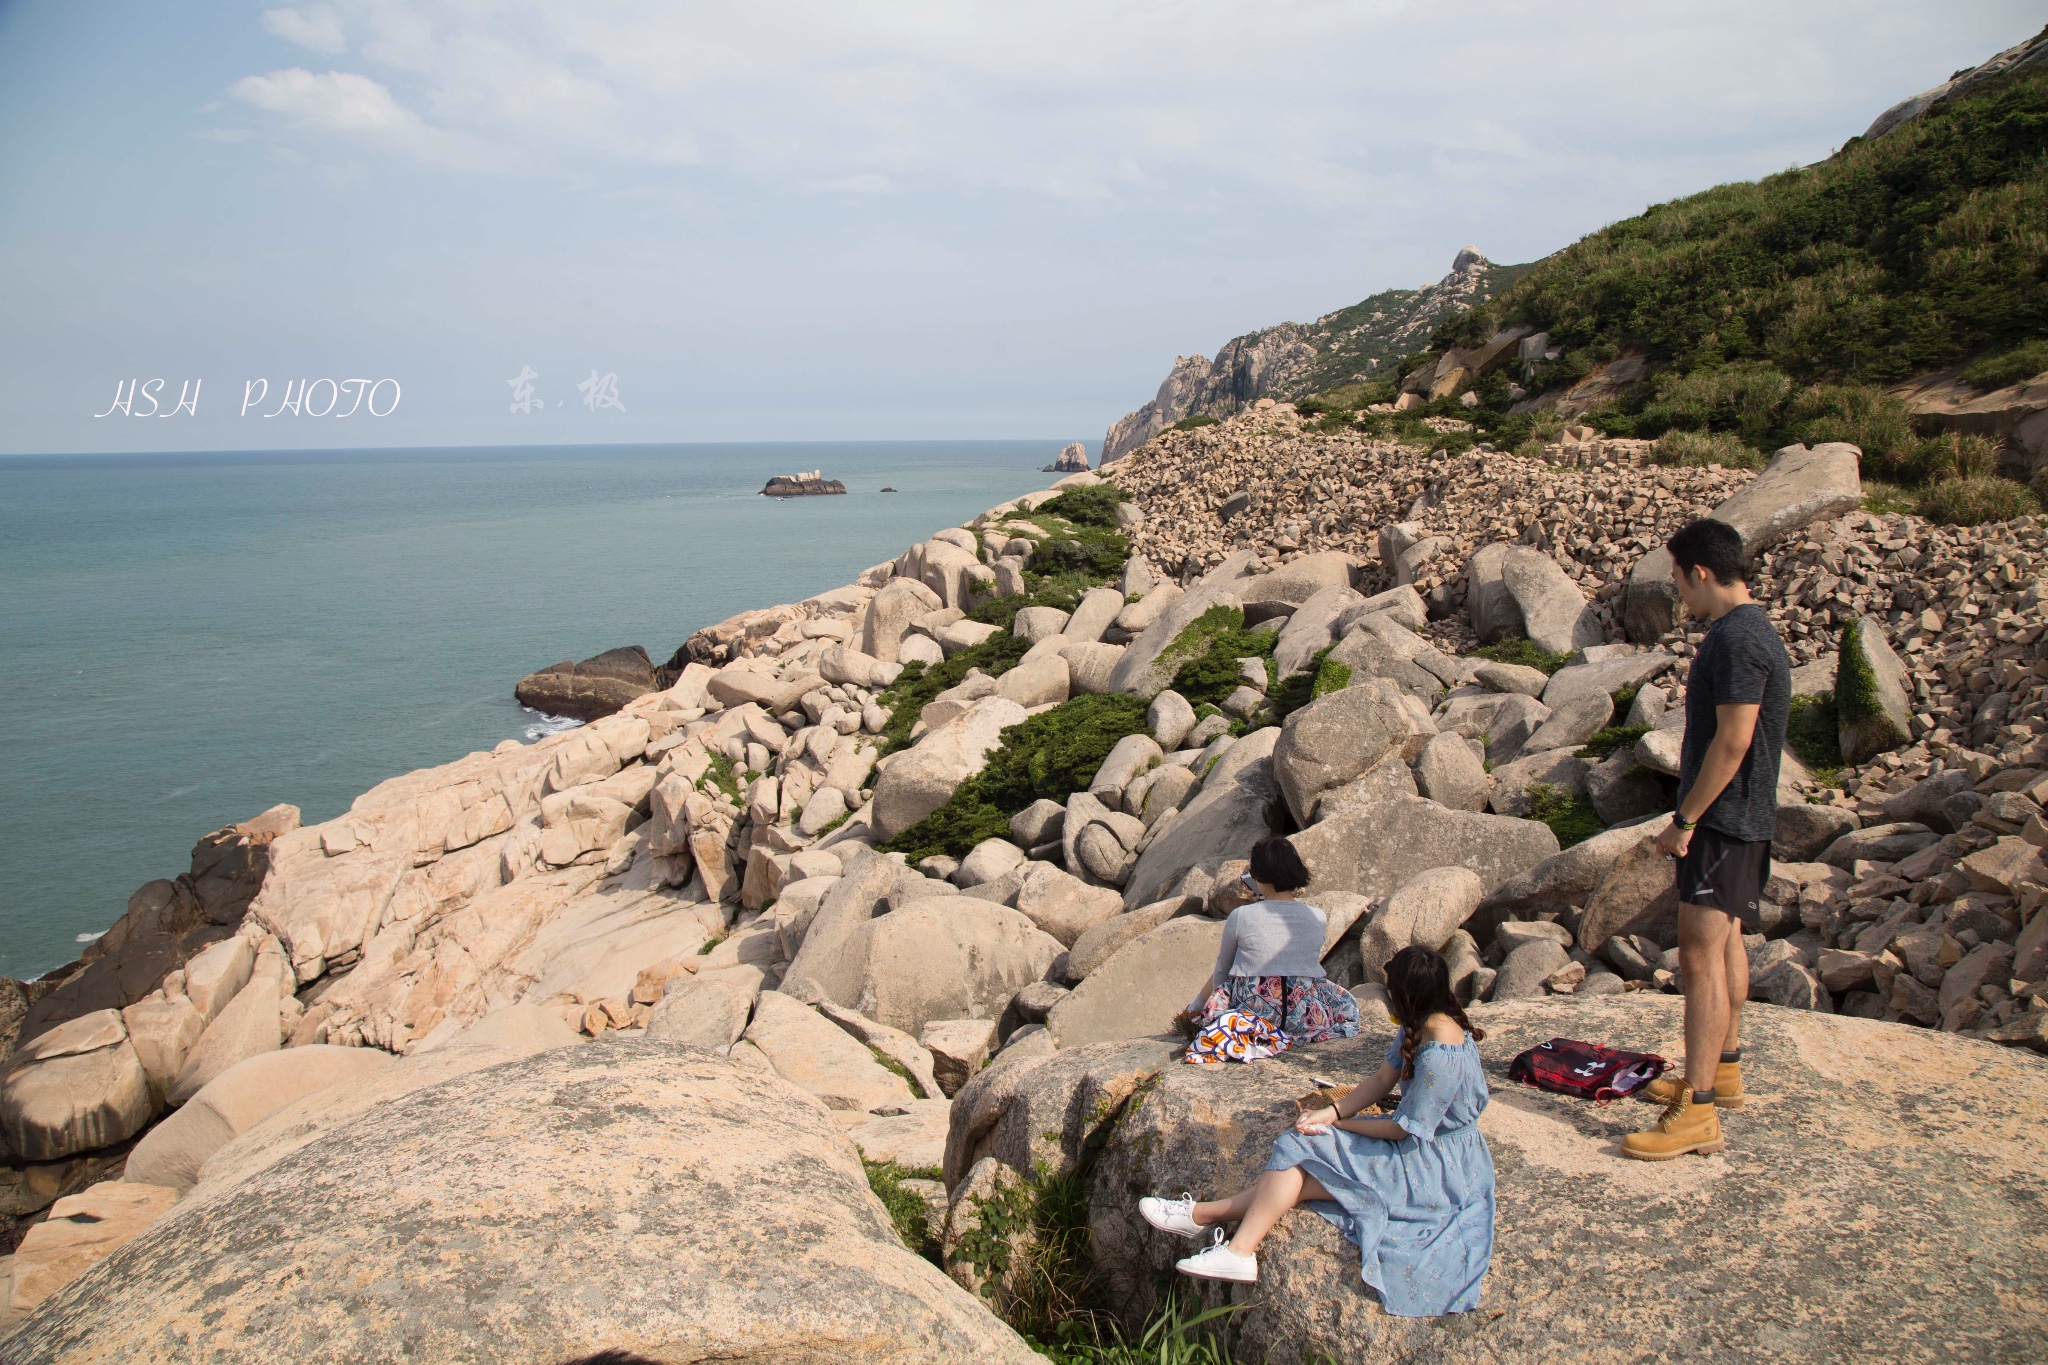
(1218, 1262)
(1176, 1216)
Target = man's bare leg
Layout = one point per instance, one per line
(1738, 985)
(1703, 958)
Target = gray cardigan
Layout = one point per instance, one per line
(1272, 938)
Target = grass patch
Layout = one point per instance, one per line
(719, 772)
(2008, 367)
(1571, 818)
(1623, 700)
(907, 1208)
(1178, 1334)
(1611, 740)
(1883, 499)
(1518, 650)
(1047, 1293)
(1677, 447)
(889, 1063)
(1047, 755)
(1813, 734)
(1195, 423)
(920, 684)
(1974, 501)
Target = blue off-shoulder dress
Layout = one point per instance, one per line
(1420, 1210)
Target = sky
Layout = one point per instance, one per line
(360, 222)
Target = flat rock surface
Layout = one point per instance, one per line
(1881, 1198)
(625, 1194)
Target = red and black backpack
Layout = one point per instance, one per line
(1587, 1070)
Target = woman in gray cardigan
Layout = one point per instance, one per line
(1268, 992)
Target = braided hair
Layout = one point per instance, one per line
(1419, 985)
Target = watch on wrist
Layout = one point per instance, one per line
(1683, 823)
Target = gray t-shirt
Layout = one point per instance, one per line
(1741, 660)
(1272, 938)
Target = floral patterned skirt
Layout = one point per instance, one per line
(1250, 1017)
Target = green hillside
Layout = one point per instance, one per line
(1376, 333)
(1780, 310)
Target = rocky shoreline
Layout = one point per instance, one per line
(917, 863)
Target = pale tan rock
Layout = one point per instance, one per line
(71, 1090)
(1138, 990)
(163, 1029)
(915, 1140)
(813, 1053)
(1424, 911)
(959, 1048)
(238, 1099)
(217, 974)
(1063, 905)
(919, 781)
(681, 1166)
(950, 958)
(248, 1026)
(82, 1230)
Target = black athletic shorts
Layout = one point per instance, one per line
(1721, 873)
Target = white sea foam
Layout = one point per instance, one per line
(87, 938)
(544, 724)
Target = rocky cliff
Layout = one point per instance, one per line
(1293, 360)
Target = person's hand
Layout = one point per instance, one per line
(1672, 841)
(1314, 1121)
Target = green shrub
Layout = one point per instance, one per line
(907, 1208)
(1884, 499)
(1813, 734)
(1322, 676)
(1176, 1334)
(1002, 611)
(1744, 398)
(2008, 367)
(1611, 740)
(1516, 649)
(1571, 818)
(1087, 550)
(1680, 447)
(1194, 423)
(1055, 1283)
(1210, 647)
(1876, 422)
(1094, 505)
(919, 684)
(1048, 755)
(1974, 501)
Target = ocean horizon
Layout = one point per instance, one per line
(193, 637)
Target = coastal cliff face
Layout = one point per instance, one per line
(1293, 360)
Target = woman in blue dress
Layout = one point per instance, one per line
(1413, 1191)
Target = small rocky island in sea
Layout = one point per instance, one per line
(810, 483)
(1072, 460)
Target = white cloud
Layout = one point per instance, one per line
(315, 27)
(348, 104)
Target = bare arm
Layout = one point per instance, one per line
(1367, 1092)
(1734, 728)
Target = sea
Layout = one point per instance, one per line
(189, 639)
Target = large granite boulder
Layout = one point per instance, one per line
(1148, 663)
(74, 1087)
(1337, 737)
(918, 782)
(1871, 702)
(1516, 590)
(1373, 847)
(1278, 593)
(1228, 814)
(1141, 987)
(596, 687)
(1797, 488)
(1591, 1249)
(237, 1100)
(648, 1196)
(948, 957)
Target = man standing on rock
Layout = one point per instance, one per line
(1737, 701)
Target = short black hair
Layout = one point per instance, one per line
(1713, 545)
(1275, 863)
(612, 1356)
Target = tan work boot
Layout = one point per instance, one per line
(1727, 1086)
(1685, 1127)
